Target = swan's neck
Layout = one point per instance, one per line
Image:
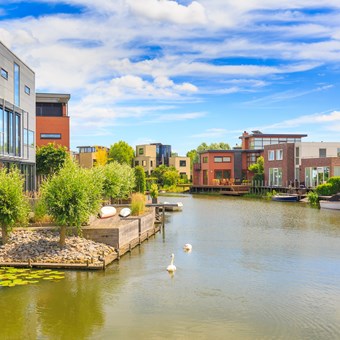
(172, 260)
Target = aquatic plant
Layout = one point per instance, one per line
(313, 199)
(11, 277)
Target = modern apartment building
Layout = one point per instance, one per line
(220, 166)
(150, 156)
(308, 163)
(17, 115)
(52, 119)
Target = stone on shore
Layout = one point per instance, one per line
(43, 246)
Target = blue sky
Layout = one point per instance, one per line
(183, 72)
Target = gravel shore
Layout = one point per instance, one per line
(42, 246)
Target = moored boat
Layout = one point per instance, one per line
(173, 206)
(332, 203)
(286, 198)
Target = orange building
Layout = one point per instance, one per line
(52, 119)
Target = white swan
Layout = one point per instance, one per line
(187, 247)
(171, 267)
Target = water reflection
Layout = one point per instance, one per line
(258, 270)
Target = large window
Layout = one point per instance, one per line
(222, 174)
(16, 84)
(338, 152)
(220, 159)
(279, 155)
(31, 138)
(271, 155)
(275, 176)
(316, 175)
(140, 151)
(18, 135)
(49, 109)
(205, 159)
(182, 163)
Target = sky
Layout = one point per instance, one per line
(183, 72)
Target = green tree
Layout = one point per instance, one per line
(257, 169)
(50, 158)
(193, 155)
(14, 205)
(71, 196)
(159, 173)
(140, 179)
(170, 177)
(122, 153)
(118, 180)
(213, 146)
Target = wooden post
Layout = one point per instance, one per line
(118, 254)
(163, 217)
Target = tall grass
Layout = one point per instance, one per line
(137, 204)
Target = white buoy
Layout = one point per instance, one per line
(171, 267)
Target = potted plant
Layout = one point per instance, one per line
(154, 192)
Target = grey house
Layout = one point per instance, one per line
(17, 115)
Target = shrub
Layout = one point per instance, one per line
(14, 206)
(137, 204)
(325, 189)
(335, 182)
(313, 199)
(270, 194)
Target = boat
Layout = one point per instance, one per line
(286, 198)
(125, 212)
(173, 206)
(107, 211)
(332, 203)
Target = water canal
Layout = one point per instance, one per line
(258, 270)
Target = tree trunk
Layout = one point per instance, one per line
(4, 235)
(62, 236)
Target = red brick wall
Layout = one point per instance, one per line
(319, 162)
(53, 125)
(287, 164)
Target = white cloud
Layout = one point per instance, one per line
(168, 10)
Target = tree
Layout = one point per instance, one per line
(257, 169)
(193, 155)
(101, 156)
(50, 158)
(14, 205)
(122, 153)
(71, 196)
(118, 180)
(140, 179)
(213, 146)
(170, 177)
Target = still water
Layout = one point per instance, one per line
(257, 270)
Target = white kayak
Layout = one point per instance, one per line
(125, 212)
(107, 211)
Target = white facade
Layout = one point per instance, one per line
(305, 150)
(17, 115)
